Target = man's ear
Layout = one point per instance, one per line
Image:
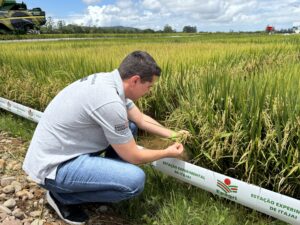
(135, 78)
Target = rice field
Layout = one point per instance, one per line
(237, 94)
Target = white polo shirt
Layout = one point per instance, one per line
(84, 117)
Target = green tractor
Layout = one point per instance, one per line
(15, 18)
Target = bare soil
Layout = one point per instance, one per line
(33, 206)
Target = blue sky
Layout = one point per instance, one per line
(206, 15)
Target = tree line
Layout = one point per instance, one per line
(60, 27)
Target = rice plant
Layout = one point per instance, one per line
(236, 94)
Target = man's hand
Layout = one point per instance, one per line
(180, 136)
(175, 150)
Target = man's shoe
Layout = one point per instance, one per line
(71, 214)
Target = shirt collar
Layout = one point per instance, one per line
(119, 84)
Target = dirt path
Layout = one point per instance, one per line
(22, 201)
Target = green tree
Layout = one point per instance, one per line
(60, 26)
(148, 31)
(49, 26)
(189, 29)
(168, 29)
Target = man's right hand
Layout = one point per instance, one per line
(175, 150)
(130, 152)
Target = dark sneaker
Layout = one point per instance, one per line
(71, 214)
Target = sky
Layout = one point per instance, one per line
(206, 15)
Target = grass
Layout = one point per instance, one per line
(99, 35)
(16, 126)
(165, 200)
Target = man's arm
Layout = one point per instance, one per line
(130, 152)
(148, 124)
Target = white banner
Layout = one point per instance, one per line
(271, 203)
(20, 110)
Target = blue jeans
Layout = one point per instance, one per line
(92, 178)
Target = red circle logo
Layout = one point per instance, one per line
(227, 181)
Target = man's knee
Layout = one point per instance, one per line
(136, 181)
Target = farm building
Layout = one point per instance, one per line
(270, 29)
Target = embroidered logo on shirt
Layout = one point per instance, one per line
(121, 128)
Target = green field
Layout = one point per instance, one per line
(236, 93)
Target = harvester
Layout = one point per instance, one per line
(16, 18)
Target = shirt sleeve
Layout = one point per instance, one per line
(112, 118)
(129, 104)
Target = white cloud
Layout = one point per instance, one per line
(91, 2)
(207, 15)
(151, 4)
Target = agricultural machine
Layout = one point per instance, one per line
(16, 18)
